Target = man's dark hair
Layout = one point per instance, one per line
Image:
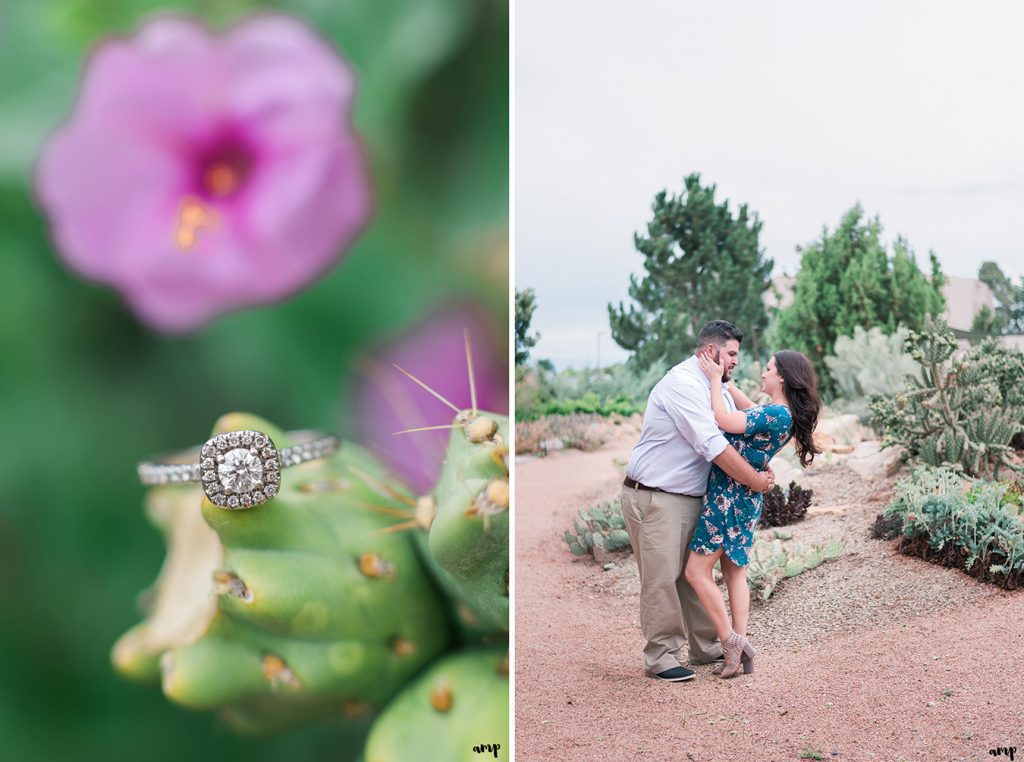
(718, 332)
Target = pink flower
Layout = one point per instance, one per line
(435, 353)
(200, 174)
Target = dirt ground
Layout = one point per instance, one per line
(871, 656)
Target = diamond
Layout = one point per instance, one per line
(207, 463)
(232, 502)
(209, 451)
(271, 477)
(247, 438)
(268, 452)
(234, 438)
(222, 442)
(270, 490)
(260, 440)
(271, 465)
(240, 471)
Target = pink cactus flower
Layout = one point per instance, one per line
(435, 353)
(200, 174)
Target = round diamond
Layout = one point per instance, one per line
(209, 476)
(247, 438)
(207, 463)
(209, 451)
(271, 465)
(232, 502)
(268, 452)
(240, 471)
(260, 440)
(270, 490)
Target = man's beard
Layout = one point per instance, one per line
(725, 371)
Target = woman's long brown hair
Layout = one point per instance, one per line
(800, 385)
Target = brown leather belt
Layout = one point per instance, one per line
(634, 484)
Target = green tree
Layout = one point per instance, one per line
(526, 303)
(702, 264)
(1008, 316)
(849, 279)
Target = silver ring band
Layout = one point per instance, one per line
(238, 469)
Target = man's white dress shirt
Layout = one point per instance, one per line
(679, 438)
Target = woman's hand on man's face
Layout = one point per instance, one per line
(711, 368)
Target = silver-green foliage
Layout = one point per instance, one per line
(598, 530)
(963, 411)
(980, 531)
(869, 362)
(771, 561)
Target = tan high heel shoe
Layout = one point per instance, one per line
(738, 652)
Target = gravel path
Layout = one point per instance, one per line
(872, 656)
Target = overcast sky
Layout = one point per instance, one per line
(799, 109)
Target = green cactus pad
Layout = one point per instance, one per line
(303, 606)
(469, 535)
(456, 710)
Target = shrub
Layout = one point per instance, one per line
(962, 412)
(870, 363)
(578, 431)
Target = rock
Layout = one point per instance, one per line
(608, 566)
(842, 429)
(552, 444)
(868, 461)
(785, 471)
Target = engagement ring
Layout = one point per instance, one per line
(240, 469)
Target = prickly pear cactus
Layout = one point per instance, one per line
(597, 531)
(304, 606)
(468, 518)
(456, 710)
(771, 561)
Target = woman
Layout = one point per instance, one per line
(731, 510)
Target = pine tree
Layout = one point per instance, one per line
(848, 279)
(526, 303)
(702, 264)
(1008, 316)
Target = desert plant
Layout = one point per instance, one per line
(773, 560)
(978, 530)
(785, 507)
(317, 604)
(598, 530)
(869, 363)
(963, 412)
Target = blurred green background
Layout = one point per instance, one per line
(86, 391)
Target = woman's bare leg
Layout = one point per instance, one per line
(698, 574)
(739, 593)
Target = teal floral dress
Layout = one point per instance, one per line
(731, 509)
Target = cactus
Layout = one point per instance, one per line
(603, 529)
(467, 543)
(292, 609)
(456, 710)
(771, 561)
(780, 508)
(962, 412)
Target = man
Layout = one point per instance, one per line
(662, 498)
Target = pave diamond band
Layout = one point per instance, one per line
(238, 469)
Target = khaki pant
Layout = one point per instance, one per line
(660, 526)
